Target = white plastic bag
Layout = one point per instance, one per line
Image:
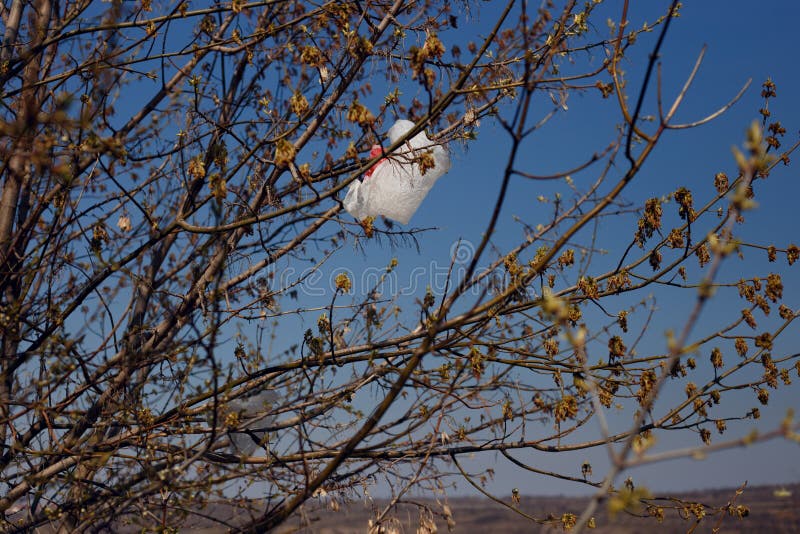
(254, 414)
(395, 187)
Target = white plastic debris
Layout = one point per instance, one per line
(395, 186)
(254, 415)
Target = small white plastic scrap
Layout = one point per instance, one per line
(254, 414)
(395, 186)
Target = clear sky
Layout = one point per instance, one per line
(745, 40)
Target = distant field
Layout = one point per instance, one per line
(768, 513)
(772, 509)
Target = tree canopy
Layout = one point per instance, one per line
(177, 327)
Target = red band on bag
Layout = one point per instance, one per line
(374, 152)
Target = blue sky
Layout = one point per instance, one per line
(744, 40)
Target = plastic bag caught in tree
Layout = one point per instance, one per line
(252, 416)
(397, 184)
